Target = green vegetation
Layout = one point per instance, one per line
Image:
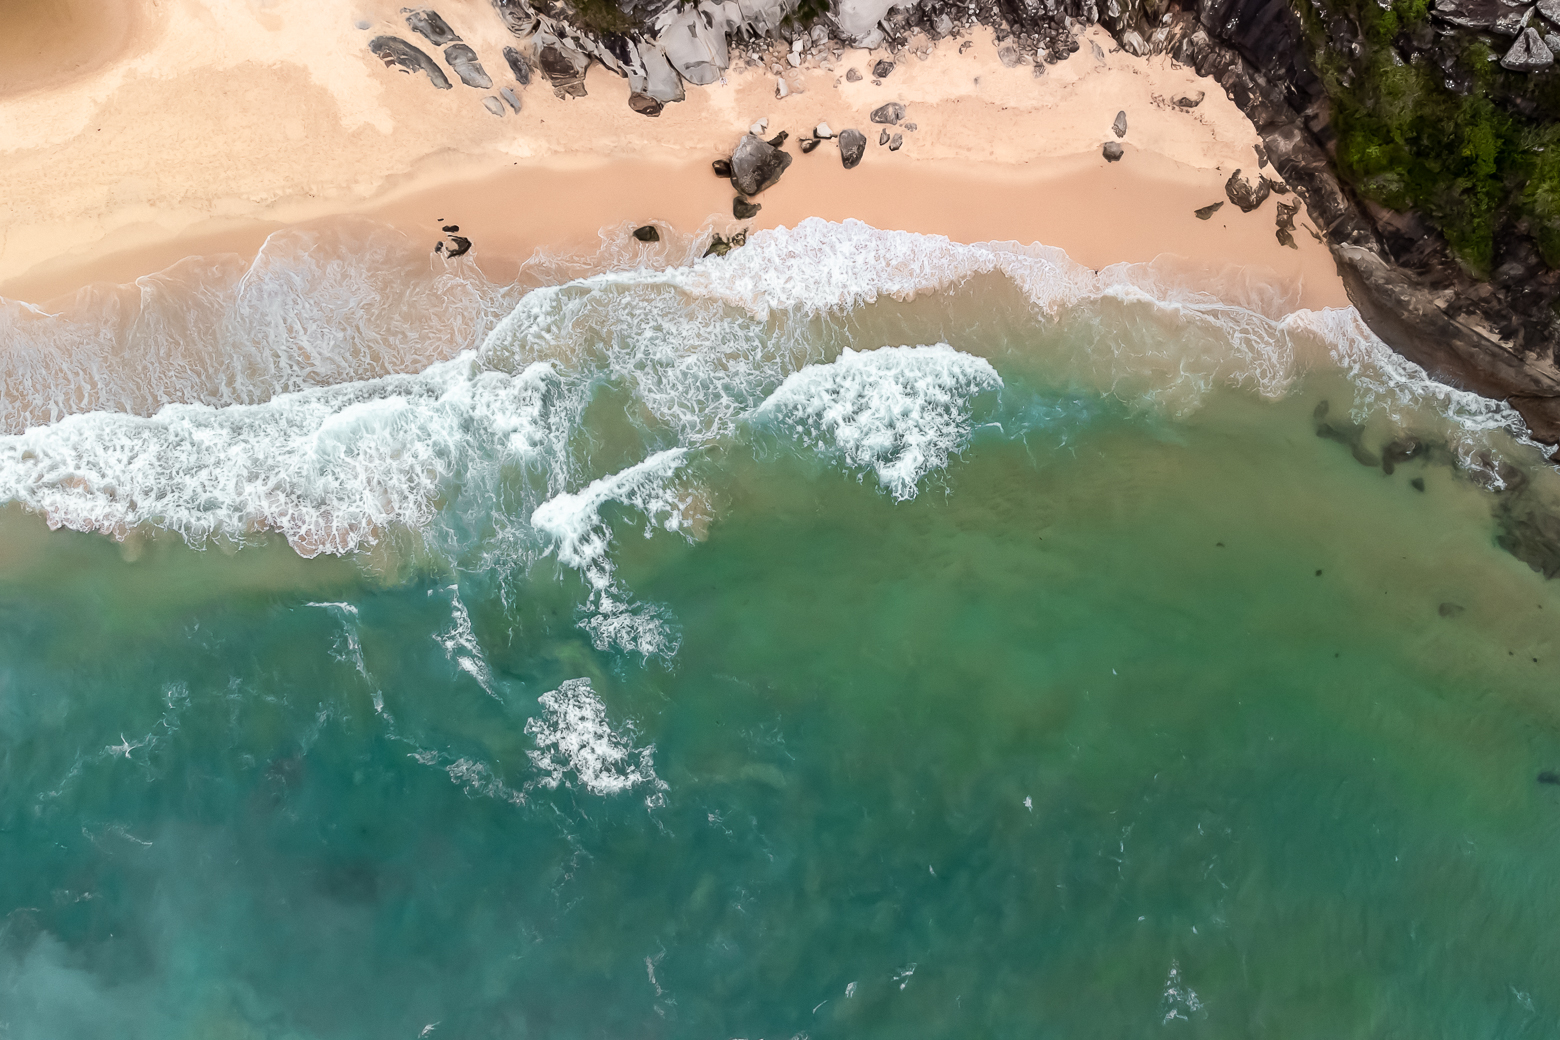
(601, 16)
(1465, 161)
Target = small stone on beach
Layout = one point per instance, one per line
(1113, 151)
(648, 233)
(493, 105)
(883, 137)
(895, 141)
(742, 209)
(807, 144)
(1190, 100)
(1120, 125)
(891, 113)
(882, 69)
(822, 131)
(1208, 211)
(852, 76)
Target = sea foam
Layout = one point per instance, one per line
(695, 351)
(574, 737)
(899, 410)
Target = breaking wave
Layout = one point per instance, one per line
(338, 395)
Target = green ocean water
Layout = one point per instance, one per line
(1150, 711)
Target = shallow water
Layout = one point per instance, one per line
(688, 675)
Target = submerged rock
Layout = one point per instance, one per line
(1397, 452)
(756, 165)
(396, 52)
(720, 245)
(1244, 194)
(464, 61)
(1113, 151)
(1449, 609)
(853, 145)
(435, 29)
(648, 233)
(890, 113)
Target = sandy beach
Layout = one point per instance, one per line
(213, 123)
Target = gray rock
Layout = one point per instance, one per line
(890, 113)
(858, 20)
(742, 209)
(1244, 194)
(1008, 55)
(853, 145)
(911, 128)
(1208, 210)
(895, 141)
(694, 40)
(397, 53)
(1099, 55)
(1512, 21)
(722, 168)
(882, 69)
(807, 144)
(518, 65)
(822, 129)
(852, 76)
(1113, 151)
(1134, 44)
(1550, 9)
(1528, 54)
(883, 137)
(1120, 125)
(1193, 100)
(563, 66)
(435, 29)
(493, 105)
(645, 105)
(756, 165)
(509, 95)
(464, 61)
(648, 233)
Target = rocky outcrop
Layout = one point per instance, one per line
(397, 53)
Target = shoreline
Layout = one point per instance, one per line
(999, 153)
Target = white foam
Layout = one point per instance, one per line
(316, 307)
(1178, 1000)
(461, 646)
(899, 410)
(330, 468)
(582, 540)
(574, 737)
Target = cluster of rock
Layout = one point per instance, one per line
(1536, 28)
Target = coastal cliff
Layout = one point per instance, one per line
(1418, 136)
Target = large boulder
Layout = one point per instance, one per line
(853, 145)
(464, 61)
(433, 28)
(397, 53)
(1244, 193)
(858, 20)
(756, 165)
(1528, 54)
(563, 65)
(694, 41)
(651, 75)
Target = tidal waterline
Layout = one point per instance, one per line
(1148, 709)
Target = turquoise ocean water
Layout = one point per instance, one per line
(861, 635)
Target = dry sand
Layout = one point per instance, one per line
(207, 124)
